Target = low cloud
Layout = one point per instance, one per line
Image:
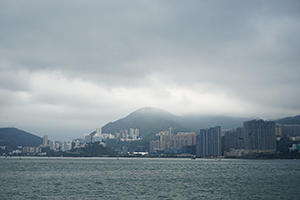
(75, 66)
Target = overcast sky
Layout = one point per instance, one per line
(69, 67)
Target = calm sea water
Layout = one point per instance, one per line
(139, 178)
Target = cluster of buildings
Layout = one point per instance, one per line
(255, 136)
(207, 143)
(67, 145)
(125, 135)
(32, 150)
(291, 131)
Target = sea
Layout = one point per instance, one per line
(148, 178)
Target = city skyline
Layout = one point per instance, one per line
(68, 67)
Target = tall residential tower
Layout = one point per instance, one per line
(209, 142)
(259, 135)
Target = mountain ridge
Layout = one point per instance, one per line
(145, 117)
(161, 120)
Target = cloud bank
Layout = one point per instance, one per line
(68, 67)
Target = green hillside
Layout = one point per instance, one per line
(13, 137)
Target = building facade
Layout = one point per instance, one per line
(209, 142)
(259, 135)
(234, 139)
(45, 141)
(290, 129)
(177, 141)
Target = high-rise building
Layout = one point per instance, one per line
(209, 142)
(66, 145)
(234, 139)
(87, 138)
(122, 135)
(99, 131)
(45, 141)
(165, 142)
(171, 131)
(136, 133)
(259, 135)
(230, 140)
(77, 143)
(131, 132)
(290, 129)
(154, 145)
(52, 145)
(240, 138)
(97, 138)
(278, 130)
(177, 141)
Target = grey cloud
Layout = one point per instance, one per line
(247, 50)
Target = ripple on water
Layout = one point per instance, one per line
(57, 178)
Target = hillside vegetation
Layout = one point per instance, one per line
(13, 137)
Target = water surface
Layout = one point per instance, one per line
(142, 178)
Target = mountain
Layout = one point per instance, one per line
(13, 137)
(150, 121)
(289, 120)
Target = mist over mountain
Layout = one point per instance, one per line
(148, 120)
(151, 120)
(289, 120)
(197, 122)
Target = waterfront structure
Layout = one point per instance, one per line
(259, 135)
(45, 141)
(209, 142)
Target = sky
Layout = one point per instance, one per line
(69, 67)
